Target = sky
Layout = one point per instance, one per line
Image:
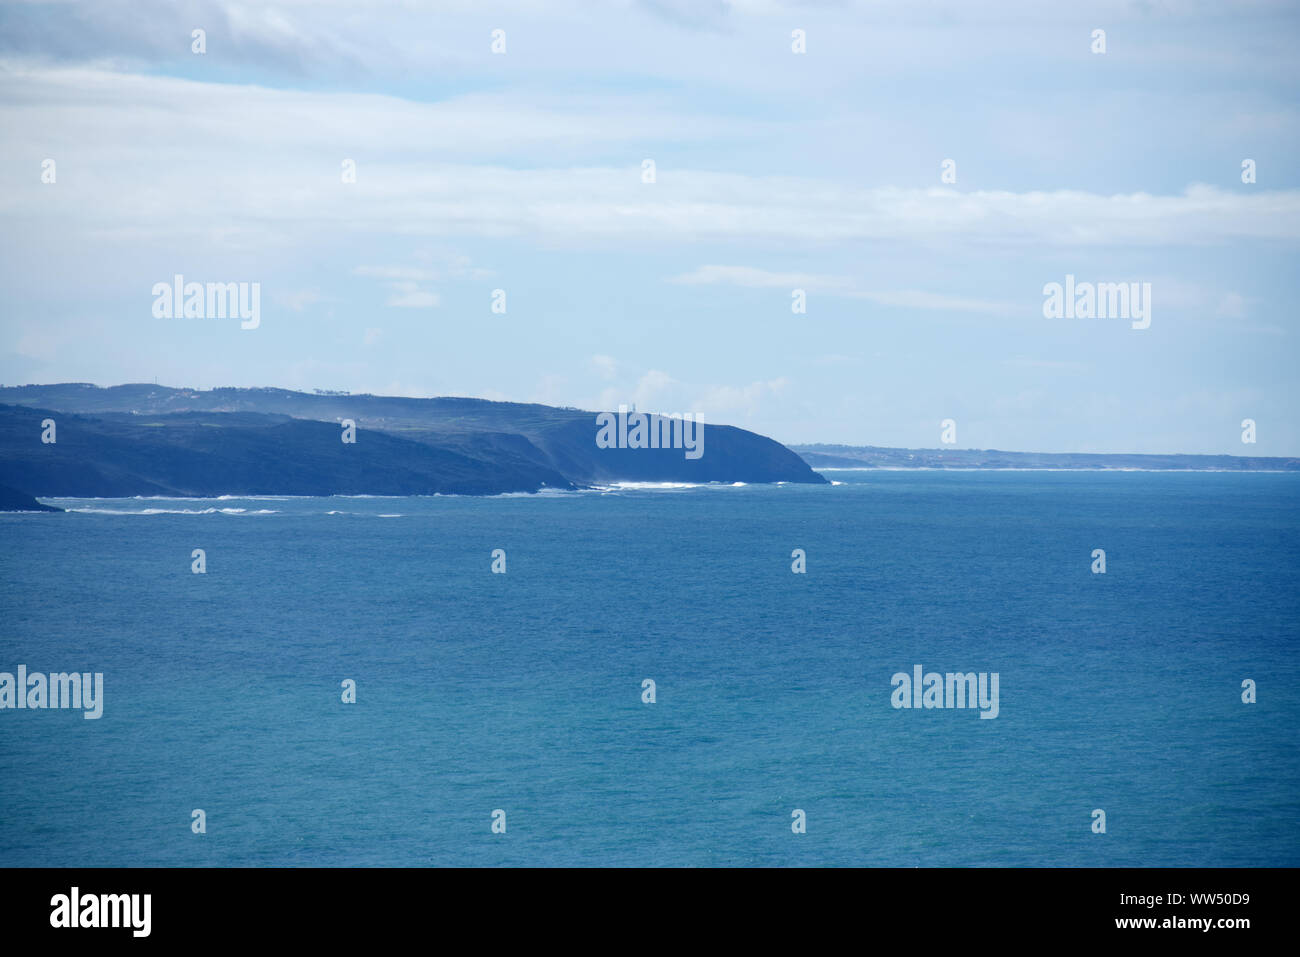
(774, 171)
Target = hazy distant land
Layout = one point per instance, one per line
(870, 456)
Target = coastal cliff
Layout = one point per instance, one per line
(154, 440)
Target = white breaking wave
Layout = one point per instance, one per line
(202, 498)
(651, 486)
(668, 486)
(540, 493)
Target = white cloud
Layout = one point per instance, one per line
(759, 278)
(300, 299)
(439, 267)
(1231, 306)
(451, 265)
(408, 295)
(1051, 365)
(720, 402)
(255, 168)
(550, 390)
(606, 366)
(658, 391)
(409, 273)
(835, 286)
(913, 299)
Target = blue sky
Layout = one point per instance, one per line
(774, 171)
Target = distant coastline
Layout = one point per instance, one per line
(822, 456)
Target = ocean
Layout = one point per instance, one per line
(522, 692)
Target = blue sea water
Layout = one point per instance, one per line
(522, 692)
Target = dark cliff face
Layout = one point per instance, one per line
(12, 500)
(151, 440)
(728, 455)
(208, 455)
